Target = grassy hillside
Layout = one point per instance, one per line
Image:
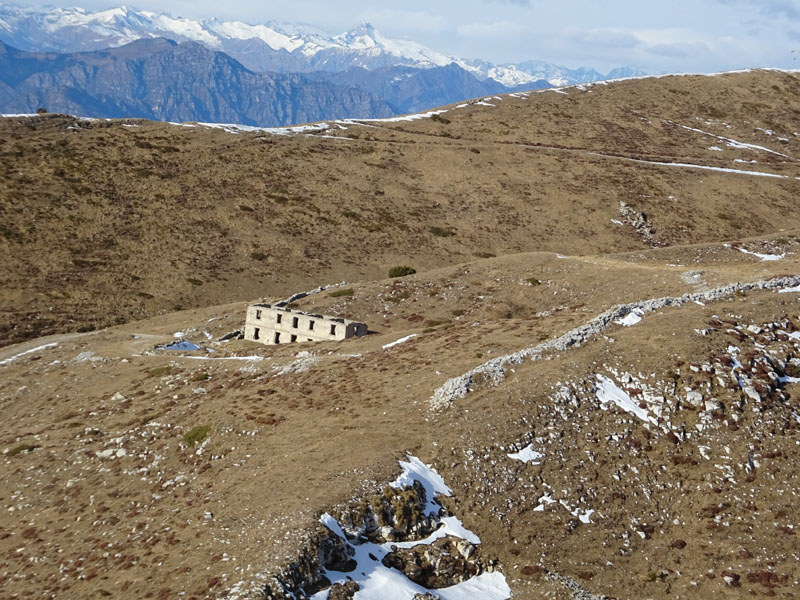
(105, 222)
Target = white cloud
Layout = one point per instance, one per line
(405, 23)
(498, 29)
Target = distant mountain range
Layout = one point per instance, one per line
(268, 47)
(165, 81)
(395, 76)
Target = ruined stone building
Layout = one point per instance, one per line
(273, 324)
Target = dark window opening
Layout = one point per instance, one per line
(279, 318)
(295, 321)
(258, 314)
(333, 329)
(277, 339)
(255, 333)
(311, 325)
(293, 339)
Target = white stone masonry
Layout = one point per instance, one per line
(271, 324)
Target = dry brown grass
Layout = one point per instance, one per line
(227, 462)
(103, 223)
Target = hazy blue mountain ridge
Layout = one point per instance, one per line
(163, 80)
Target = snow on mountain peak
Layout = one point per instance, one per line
(242, 31)
(310, 48)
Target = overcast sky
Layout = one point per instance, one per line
(658, 36)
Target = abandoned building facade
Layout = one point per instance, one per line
(272, 324)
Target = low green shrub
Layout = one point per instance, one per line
(401, 271)
(442, 231)
(196, 435)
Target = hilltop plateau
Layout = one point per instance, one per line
(599, 353)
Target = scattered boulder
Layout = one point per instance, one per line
(343, 591)
(438, 565)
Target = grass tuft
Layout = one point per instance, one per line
(197, 435)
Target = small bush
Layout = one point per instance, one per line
(442, 231)
(160, 371)
(196, 435)
(41, 110)
(401, 271)
(342, 293)
(533, 281)
(258, 256)
(200, 377)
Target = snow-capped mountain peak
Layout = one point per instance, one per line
(263, 47)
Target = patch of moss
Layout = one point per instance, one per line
(401, 271)
(196, 435)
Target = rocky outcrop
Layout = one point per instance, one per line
(355, 549)
(638, 220)
(445, 562)
(304, 576)
(396, 515)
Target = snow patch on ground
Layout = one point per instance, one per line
(527, 455)
(733, 143)
(609, 393)
(236, 128)
(763, 257)
(400, 341)
(31, 351)
(707, 168)
(414, 117)
(416, 470)
(793, 290)
(631, 319)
